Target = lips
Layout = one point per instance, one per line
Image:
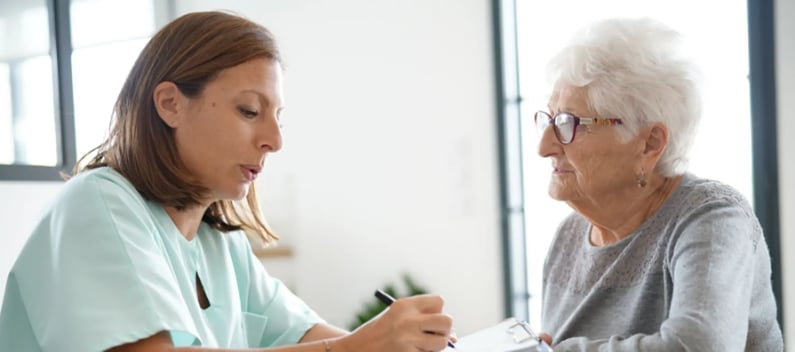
(560, 170)
(250, 172)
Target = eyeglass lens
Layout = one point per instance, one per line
(563, 125)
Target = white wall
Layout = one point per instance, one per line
(389, 162)
(785, 86)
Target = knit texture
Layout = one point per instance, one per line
(695, 276)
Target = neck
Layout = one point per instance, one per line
(617, 217)
(187, 220)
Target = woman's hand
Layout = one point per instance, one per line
(548, 339)
(408, 325)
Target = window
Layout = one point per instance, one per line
(102, 59)
(6, 125)
(532, 31)
(56, 99)
(27, 121)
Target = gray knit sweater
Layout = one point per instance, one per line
(693, 277)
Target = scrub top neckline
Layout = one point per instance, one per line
(165, 219)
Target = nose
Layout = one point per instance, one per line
(270, 136)
(548, 144)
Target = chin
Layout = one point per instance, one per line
(557, 192)
(237, 193)
(558, 197)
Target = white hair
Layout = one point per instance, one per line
(632, 70)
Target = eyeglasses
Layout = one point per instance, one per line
(565, 124)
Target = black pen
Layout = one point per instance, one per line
(388, 300)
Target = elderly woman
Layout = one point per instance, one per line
(653, 258)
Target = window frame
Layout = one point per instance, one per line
(764, 140)
(509, 122)
(60, 52)
(61, 48)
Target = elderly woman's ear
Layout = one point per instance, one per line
(656, 139)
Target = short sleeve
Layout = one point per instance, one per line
(282, 317)
(94, 274)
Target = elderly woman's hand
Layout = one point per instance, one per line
(410, 324)
(548, 339)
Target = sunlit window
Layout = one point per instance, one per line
(96, 86)
(722, 149)
(35, 123)
(6, 125)
(97, 50)
(107, 36)
(27, 110)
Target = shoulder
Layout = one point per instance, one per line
(95, 186)
(696, 193)
(93, 205)
(103, 177)
(704, 209)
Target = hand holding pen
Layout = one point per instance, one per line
(410, 324)
(385, 298)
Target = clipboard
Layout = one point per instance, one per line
(510, 335)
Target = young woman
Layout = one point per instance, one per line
(143, 249)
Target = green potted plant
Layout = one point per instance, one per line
(374, 307)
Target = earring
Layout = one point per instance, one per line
(640, 179)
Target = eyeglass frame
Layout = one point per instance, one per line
(541, 345)
(577, 122)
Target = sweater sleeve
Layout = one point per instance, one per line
(712, 264)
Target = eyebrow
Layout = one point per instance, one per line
(264, 98)
(566, 109)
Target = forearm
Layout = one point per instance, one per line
(676, 334)
(321, 332)
(634, 343)
(316, 346)
(321, 337)
(414, 323)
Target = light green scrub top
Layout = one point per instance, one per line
(105, 267)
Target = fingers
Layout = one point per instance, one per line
(548, 339)
(425, 303)
(428, 328)
(432, 343)
(437, 324)
(414, 323)
(434, 331)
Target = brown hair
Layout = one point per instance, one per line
(190, 51)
